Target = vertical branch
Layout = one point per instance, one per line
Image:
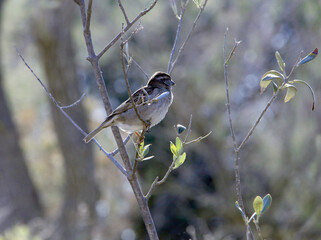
(228, 107)
(94, 60)
(188, 36)
(176, 38)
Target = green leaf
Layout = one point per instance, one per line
(180, 160)
(269, 76)
(311, 90)
(258, 205)
(146, 150)
(267, 201)
(179, 146)
(173, 149)
(281, 63)
(275, 87)
(312, 55)
(290, 93)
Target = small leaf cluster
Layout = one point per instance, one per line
(260, 206)
(281, 81)
(179, 155)
(142, 152)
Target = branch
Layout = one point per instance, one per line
(113, 153)
(135, 185)
(176, 38)
(128, 26)
(75, 103)
(123, 11)
(157, 183)
(260, 117)
(127, 83)
(89, 8)
(188, 37)
(228, 106)
(69, 118)
(236, 161)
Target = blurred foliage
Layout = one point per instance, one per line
(282, 158)
(19, 232)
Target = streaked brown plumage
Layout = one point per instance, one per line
(152, 102)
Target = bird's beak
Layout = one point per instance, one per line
(173, 83)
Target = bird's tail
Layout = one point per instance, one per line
(92, 134)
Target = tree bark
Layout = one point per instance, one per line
(19, 201)
(52, 30)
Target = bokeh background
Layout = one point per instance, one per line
(53, 186)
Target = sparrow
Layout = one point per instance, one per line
(152, 102)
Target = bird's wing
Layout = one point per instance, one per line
(139, 97)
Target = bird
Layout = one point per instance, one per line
(152, 102)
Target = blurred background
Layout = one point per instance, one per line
(53, 186)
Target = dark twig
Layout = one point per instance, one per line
(127, 83)
(183, 8)
(188, 36)
(110, 156)
(128, 26)
(123, 11)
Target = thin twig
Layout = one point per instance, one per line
(88, 20)
(116, 163)
(128, 26)
(157, 183)
(123, 11)
(113, 153)
(295, 66)
(183, 8)
(127, 84)
(75, 103)
(199, 138)
(188, 128)
(188, 37)
(149, 193)
(228, 106)
(140, 68)
(260, 117)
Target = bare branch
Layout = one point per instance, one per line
(260, 117)
(123, 11)
(176, 38)
(69, 118)
(157, 183)
(228, 106)
(128, 26)
(75, 103)
(188, 37)
(199, 138)
(113, 153)
(89, 8)
(188, 128)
